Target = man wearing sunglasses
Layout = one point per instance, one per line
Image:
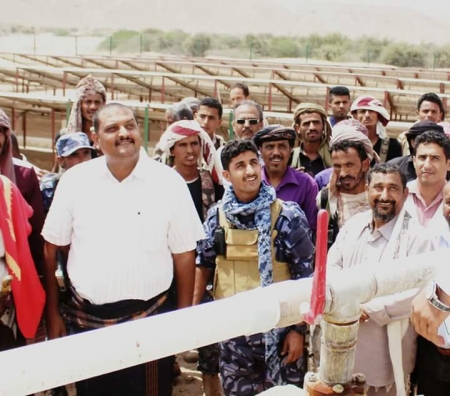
(248, 119)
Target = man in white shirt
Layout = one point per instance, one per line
(128, 239)
(386, 232)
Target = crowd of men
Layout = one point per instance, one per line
(124, 236)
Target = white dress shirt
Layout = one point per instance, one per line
(122, 234)
(359, 244)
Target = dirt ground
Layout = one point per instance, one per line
(189, 383)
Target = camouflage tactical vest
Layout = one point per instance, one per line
(238, 271)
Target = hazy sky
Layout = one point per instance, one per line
(428, 7)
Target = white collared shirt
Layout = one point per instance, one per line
(122, 234)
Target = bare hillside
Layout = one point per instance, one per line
(402, 20)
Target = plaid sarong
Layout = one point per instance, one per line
(81, 313)
(156, 375)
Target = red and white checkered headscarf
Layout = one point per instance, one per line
(373, 104)
(181, 130)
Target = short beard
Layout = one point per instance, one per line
(386, 217)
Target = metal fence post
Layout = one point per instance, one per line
(146, 129)
(68, 109)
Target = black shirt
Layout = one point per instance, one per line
(312, 167)
(406, 165)
(195, 188)
(394, 149)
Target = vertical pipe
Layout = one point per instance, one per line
(112, 86)
(270, 91)
(270, 97)
(215, 93)
(24, 129)
(327, 98)
(13, 118)
(64, 83)
(163, 93)
(146, 129)
(17, 79)
(317, 303)
(53, 130)
(68, 109)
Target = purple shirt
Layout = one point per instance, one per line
(300, 188)
(323, 178)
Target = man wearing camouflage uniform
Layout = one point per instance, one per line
(252, 240)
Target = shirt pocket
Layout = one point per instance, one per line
(152, 228)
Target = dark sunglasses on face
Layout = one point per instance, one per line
(251, 121)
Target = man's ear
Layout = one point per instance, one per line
(405, 193)
(60, 162)
(95, 140)
(226, 175)
(366, 165)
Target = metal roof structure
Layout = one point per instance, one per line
(278, 86)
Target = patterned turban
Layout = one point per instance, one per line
(354, 131)
(274, 132)
(86, 86)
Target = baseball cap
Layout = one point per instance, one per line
(68, 144)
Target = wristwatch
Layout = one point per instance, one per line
(433, 298)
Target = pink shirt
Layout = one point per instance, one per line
(425, 213)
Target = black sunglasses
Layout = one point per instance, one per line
(251, 121)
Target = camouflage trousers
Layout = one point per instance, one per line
(208, 356)
(243, 368)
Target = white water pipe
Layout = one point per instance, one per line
(49, 364)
